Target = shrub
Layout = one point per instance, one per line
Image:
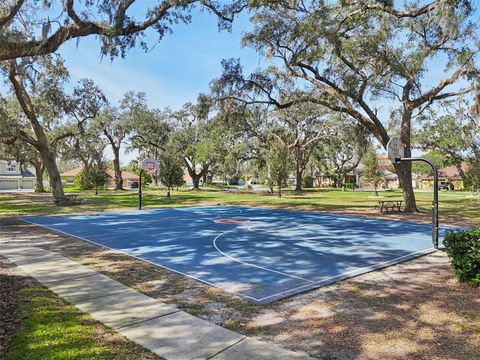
(463, 247)
(80, 181)
(308, 182)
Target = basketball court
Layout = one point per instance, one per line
(260, 254)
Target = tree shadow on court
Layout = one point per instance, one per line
(413, 310)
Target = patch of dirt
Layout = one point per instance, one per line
(412, 310)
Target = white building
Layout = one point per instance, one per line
(12, 177)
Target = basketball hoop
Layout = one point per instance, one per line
(396, 154)
(395, 149)
(150, 165)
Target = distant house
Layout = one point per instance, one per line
(322, 180)
(12, 177)
(68, 177)
(449, 174)
(390, 179)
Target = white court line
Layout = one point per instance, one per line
(360, 271)
(311, 285)
(138, 258)
(249, 264)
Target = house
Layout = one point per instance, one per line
(68, 177)
(12, 177)
(390, 179)
(323, 180)
(449, 174)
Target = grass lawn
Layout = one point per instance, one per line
(53, 329)
(454, 206)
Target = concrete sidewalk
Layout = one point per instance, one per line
(162, 328)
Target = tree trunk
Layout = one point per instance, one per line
(155, 174)
(193, 173)
(270, 180)
(39, 168)
(116, 167)
(340, 181)
(41, 142)
(404, 172)
(298, 169)
(299, 175)
(168, 192)
(196, 181)
(48, 157)
(404, 169)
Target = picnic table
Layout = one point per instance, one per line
(68, 199)
(389, 205)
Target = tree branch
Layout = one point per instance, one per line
(13, 11)
(221, 15)
(392, 11)
(14, 48)
(433, 94)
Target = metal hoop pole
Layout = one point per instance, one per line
(435, 222)
(140, 190)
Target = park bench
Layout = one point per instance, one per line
(389, 205)
(70, 199)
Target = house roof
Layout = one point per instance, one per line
(27, 174)
(126, 175)
(72, 172)
(24, 174)
(449, 172)
(389, 175)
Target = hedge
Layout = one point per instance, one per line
(463, 248)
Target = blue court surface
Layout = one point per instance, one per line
(260, 254)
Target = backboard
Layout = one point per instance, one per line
(395, 149)
(150, 165)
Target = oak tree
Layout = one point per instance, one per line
(368, 60)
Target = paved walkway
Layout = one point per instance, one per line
(162, 328)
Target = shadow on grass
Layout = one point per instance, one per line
(53, 329)
(456, 209)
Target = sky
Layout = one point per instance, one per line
(172, 73)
